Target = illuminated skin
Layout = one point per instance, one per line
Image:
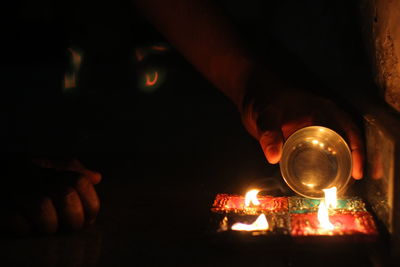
(67, 199)
(271, 109)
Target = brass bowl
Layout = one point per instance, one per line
(315, 158)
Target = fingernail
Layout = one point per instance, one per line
(272, 154)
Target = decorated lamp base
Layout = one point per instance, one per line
(295, 217)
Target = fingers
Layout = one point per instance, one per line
(289, 127)
(291, 111)
(69, 209)
(357, 152)
(269, 133)
(53, 200)
(44, 215)
(77, 202)
(356, 144)
(272, 140)
(89, 199)
(271, 143)
(94, 177)
(358, 162)
(76, 166)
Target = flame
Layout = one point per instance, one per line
(323, 217)
(223, 226)
(330, 197)
(330, 201)
(258, 225)
(251, 198)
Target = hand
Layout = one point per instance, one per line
(52, 195)
(272, 119)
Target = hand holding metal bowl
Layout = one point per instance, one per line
(315, 158)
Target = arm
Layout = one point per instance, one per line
(271, 110)
(206, 38)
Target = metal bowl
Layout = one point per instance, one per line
(315, 158)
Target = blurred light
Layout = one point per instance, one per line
(258, 225)
(71, 75)
(139, 54)
(151, 79)
(159, 48)
(309, 185)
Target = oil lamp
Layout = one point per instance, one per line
(316, 164)
(296, 217)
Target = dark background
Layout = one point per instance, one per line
(163, 153)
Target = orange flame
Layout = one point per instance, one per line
(259, 224)
(251, 198)
(331, 197)
(323, 217)
(330, 201)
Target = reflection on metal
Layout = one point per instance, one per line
(381, 165)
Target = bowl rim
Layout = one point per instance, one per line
(345, 185)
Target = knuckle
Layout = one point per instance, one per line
(81, 182)
(68, 193)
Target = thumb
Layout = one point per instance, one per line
(271, 143)
(94, 177)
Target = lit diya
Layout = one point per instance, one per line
(249, 204)
(294, 216)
